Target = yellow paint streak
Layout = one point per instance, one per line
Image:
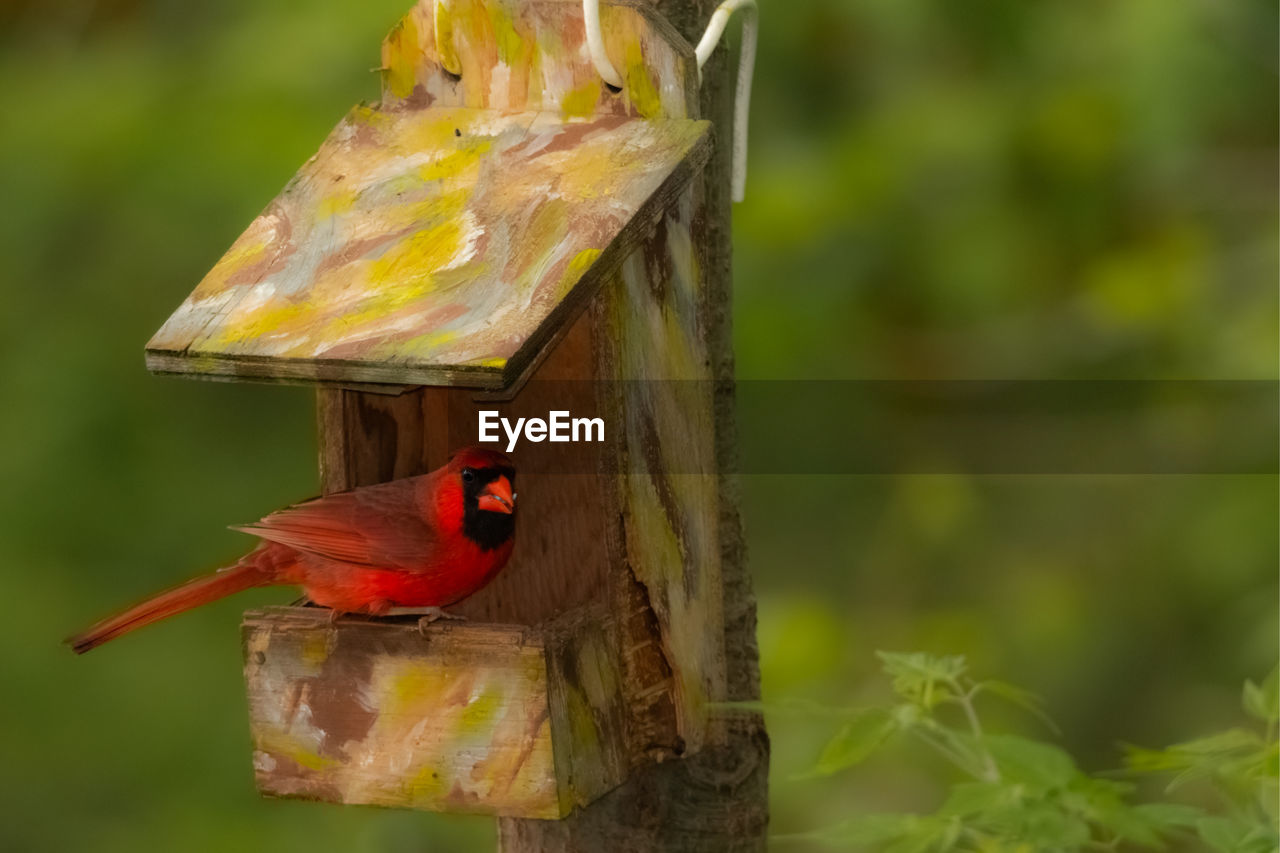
(427, 786)
(413, 261)
(455, 163)
(582, 724)
(424, 343)
(404, 274)
(510, 45)
(595, 170)
(641, 89)
(443, 22)
(315, 648)
(581, 102)
(332, 205)
(245, 252)
(280, 745)
(401, 54)
(439, 132)
(367, 116)
(393, 218)
(414, 687)
(481, 711)
(550, 43)
(272, 317)
(574, 271)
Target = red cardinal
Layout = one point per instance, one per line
(421, 542)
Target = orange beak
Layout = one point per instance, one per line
(498, 497)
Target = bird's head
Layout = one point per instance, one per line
(486, 480)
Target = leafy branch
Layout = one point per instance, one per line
(1022, 794)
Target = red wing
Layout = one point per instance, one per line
(377, 526)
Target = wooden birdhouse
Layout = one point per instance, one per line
(503, 231)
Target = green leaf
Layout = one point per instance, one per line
(1024, 699)
(1128, 822)
(855, 740)
(1040, 823)
(922, 678)
(1263, 701)
(1236, 755)
(1168, 816)
(970, 798)
(1229, 742)
(1232, 835)
(961, 748)
(795, 706)
(1031, 762)
(924, 833)
(1140, 759)
(889, 833)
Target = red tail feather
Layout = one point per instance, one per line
(191, 594)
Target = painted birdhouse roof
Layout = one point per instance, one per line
(430, 246)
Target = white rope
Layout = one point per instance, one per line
(746, 65)
(595, 44)
(706, 46)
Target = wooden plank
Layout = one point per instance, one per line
(374, 713)
(651, 318)
(586, 696)
(157, 365)
(562, 558)
(437, 246)
(563, 554)
(532, 54)
(476, 718)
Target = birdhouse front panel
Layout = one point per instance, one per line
(533, 54)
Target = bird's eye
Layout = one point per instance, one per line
(468, 475)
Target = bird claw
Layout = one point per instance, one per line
(430, 614)
(426, 615)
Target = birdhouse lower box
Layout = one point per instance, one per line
(487, 719)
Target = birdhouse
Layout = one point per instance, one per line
(503, 232)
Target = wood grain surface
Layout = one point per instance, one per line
(430, 246)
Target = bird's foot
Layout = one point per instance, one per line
(426, 615)
(430, 614)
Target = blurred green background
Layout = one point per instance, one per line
(992, 189)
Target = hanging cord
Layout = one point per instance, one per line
(595, 44)
(746, 64)
(706, 46)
